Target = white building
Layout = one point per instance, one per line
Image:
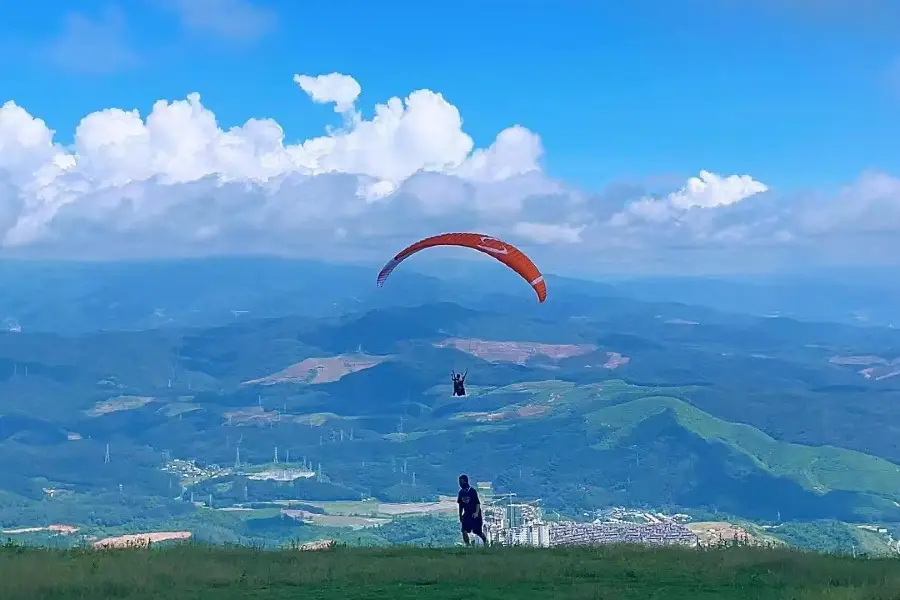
(517, 524)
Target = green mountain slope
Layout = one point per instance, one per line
(821, 469)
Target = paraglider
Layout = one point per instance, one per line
(506, 253)
(459, 383)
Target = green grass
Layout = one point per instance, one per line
(819, 468)
(195, 572)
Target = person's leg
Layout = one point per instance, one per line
(479, 531)
(465, 532)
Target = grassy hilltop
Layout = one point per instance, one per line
(194, 572)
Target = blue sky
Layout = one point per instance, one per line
(784, 114)
(615, 89)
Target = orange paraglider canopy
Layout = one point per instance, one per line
(508, 254)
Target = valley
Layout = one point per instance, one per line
(604, 401)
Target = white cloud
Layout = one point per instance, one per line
(238, 20)
(549, 233)
(342, 90)
(123, 172)
(869, 205)
(91, 46)
(707, 191)
(174, 182)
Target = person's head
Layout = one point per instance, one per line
(463, 481)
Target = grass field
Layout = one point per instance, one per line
(195, 572)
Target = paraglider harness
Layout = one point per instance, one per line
(459, 383)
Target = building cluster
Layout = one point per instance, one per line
(522, 524)
(588, 534)
(516, 525)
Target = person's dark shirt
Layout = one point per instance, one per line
(468, 500)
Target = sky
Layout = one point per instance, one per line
(695, 136)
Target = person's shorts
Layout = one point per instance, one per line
(472, 525)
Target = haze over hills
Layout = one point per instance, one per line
(601, 398)
(76, 297)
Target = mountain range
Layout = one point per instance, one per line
(113, 373)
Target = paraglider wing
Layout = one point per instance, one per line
(508, 254)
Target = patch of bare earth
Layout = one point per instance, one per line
(515, 352)
(118, 403)
(527, 411)
(713, 532)
(883, 373)
(321, 370)
(614, 360)
(531, 410)
(317, 545)
(412, 508)
(252, 415)
(282, 475)
(141, 540)
(57, 529)
(352, 522)
(876, 367)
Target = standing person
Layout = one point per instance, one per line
(470, 515)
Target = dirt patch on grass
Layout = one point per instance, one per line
(413, 508)
(532, 410)
(524, 412)
(57, 529)
(117, 404)
(515, 352)
(352, 522)
(176, 410)
(614, 360)
(251, 415)
(141, 540)
(680, 322)
(879, 374)
(321, 370)
(876, 367)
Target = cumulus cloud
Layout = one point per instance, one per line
(178, 174)
(174, 182)
(342, 90)
(709, 191)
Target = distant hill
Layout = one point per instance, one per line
(592, 401)
(76, 297)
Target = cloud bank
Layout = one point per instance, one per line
(175, 183)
